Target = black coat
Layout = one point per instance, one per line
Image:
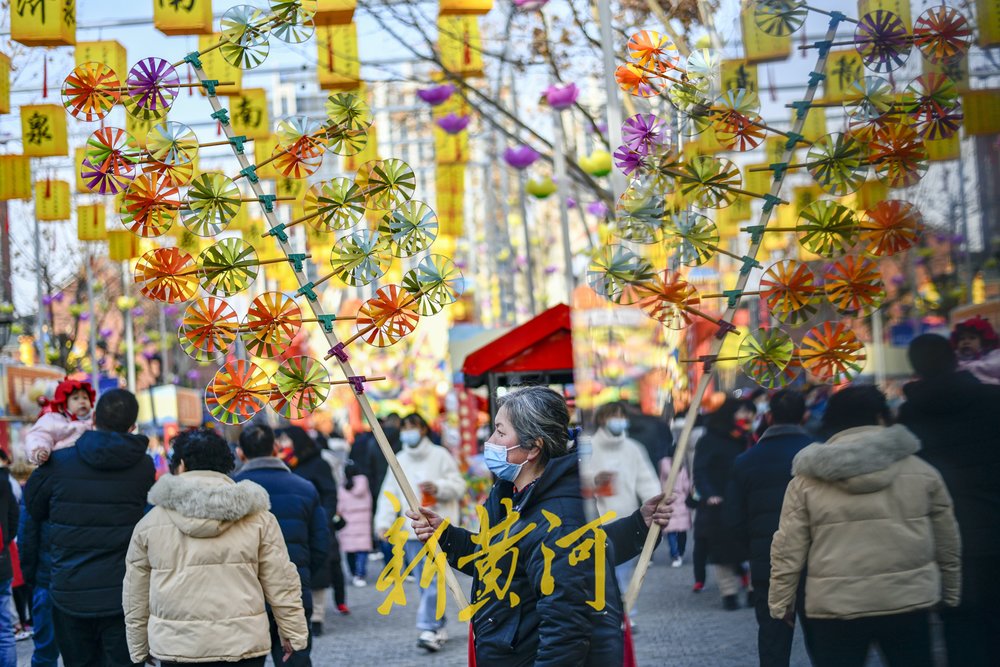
(92, 494)
(756, 492)
(557, 628)
(957, 420)
(653, 433)
(33, 539)
(713, 463)
(9, 515)
(295, 504)
(367, 455)
(317, 471)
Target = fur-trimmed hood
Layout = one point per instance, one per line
(204, 504)
(860, 460)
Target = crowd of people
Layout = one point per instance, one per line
(859, 525)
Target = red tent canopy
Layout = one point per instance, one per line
(539, 350)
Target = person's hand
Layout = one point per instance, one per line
(789, 618)
(656, 511)
(425, 523)
(150, 660)
(429, 487)
(42, 456)
(603, 477)
(286, 650)
(714, 500)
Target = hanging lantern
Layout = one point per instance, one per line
(520, 157)
(597, 163)
(91, 223)
(43, 22)
(191, 17)
(123, 245)
(462, 7)
(217, 67)
(4, 83)
(460, 45)
(107, 52)
(338, 66)
(15, 177)
(52, 200)
(335, 12)
(540, 188)
(561, 97)
(43, 130)
(249, 114)
(436, 95)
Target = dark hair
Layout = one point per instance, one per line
(538, 413)
(257, 440)
(724, 419)
(202, 449)
(351, 469)
(414, 419)
(605, 411)
(787, 406)
(391, 420)
(305, 447)
(116, 411)
(857, 405)
(931, 356)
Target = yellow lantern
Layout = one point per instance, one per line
(334, 12)
(942, 150)
(108, 52)
(981, 115)
(842, 69)
(900, 8)
(43, 22)
(4, 83)
(759, 46)
(460, 7)
(91, 222)
(15, 177)
(43, 130)
(191, 17)
(218, 68)
(988, 15)
(739, 74)
(449, 185)
(248, 113)
(370, 152)
(450, 148)
(52, 200)
(460, 45)
(263, 149)
(338, 66)
(123, 245)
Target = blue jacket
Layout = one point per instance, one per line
(92, 494)
(295, 503)
(756, 491)
(33, 548)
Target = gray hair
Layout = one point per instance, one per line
(539, 413)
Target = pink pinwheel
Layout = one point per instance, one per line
(529, 5)
(452, 123)
(642, 132)
(520, 157)
(628, 160)
(437, 94)
(561, 97)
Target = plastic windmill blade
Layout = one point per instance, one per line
(228, 267)
(174, 175)
(347, 111)
(639, 214)
(166, 275)
(827, 228)
(635, 81)
(832, 353)
(108, 164)
(149, 206)
(237, 392)
(346, 142)
(615, 271)
(293, 20)
(892, 227)
(389, 183)
(854, 286)
(387, 317)
(789, 289)
(899, 156)
(411, 228)
(668, 299)
(692, 236)
(868, 99)
(651, 50)
(736, 122)
(172, 143)
(301, 135)
(296, 163)
(838, 163)
(710, 180)
(212, 201)
(942, 34)
(934, 106)
(303, 385)
(272, 321)
(704, 64)
(768, 358)
(336, 205)
(244, 39)
(779, 17)
(882, 40)
(435, 282)
(151, 88)
(360, 257)
(645, 132)
(691, 96)
(91, 91)
(208, 328)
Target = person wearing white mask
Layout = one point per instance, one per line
(435, 475)
(620, 472)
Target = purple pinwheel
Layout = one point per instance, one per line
(437, 94)
(453, 124)
(598, 208)
(561, 97)
(644, 131)
(151, 87)
(520, 157)
(628, 160)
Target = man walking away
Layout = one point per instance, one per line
(295, 503)
(753, 506)
(93, 494)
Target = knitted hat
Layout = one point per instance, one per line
(980, 327)
(64, 391)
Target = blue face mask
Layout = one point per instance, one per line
(617, 425)
(410, 437)
(495, 457)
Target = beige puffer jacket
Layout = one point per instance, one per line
(200, 567)
(873, 523)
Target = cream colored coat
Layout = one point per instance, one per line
(874, 524)
(201, 566)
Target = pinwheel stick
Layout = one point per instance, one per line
(192, 84)
(827, 12)
(367, 379)
(862, 40)
(660, 74)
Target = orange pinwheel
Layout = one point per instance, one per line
(272, 321)
(208, 327)
(238, 391)
(165, 274)
(832, 353)
(387, 317)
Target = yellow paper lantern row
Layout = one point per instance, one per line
(981, 115)
(464, 7)
(988, 20)
(760, 47)
(43, 130)
(450, 148)
(739, 74)
(460, 45)
(15, 177)
(842, 69)
(52, 200)
(942, 150)
(123, 245)
(218, 68)
(335, 12)
(91, 222)
(43, 22)
(338, 66)
(4, 83)
(191, 17)
(107, 52)
(449, 202)
(900, 8)
(249, 114)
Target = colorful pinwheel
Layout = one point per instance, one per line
(892, 227)
(789, 289)
(272, 321)
(166, 275)
(151, 88)
(854, 285)
(832, 353)
(208, 327)
(228, 267)
(237, 392)
(768, 358)
(387, 317)
(90, 91)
